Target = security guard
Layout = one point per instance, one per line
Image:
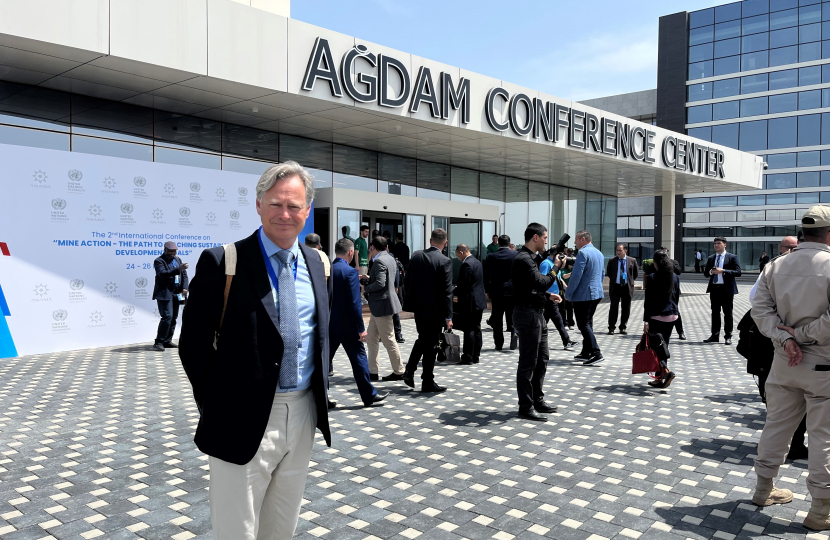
(790, 308)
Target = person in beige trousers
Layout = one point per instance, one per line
(792, 308)
(383, 304)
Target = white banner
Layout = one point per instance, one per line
(79, 234)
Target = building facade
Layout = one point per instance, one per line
(751, 75)
(113, 143)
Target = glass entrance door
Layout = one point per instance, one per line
(463, 231)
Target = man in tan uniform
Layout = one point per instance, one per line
(792, 308)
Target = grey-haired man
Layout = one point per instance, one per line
(262, 388)
(169, 291)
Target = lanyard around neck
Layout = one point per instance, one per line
(269, 264)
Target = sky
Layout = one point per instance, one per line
(575, 50)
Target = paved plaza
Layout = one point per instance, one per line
(98, 444)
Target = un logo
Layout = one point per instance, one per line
(76, 284)
(243, 192)
(127, 208)
(60, 315)
(234, 214)
(128, 311)
(58, 204)
(141, 282)
(139, 181)
(184, 211)
(75, 175)
(195, 187)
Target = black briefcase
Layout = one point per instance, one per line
(449, 347)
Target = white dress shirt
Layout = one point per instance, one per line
(719, 259)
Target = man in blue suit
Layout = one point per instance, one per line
(346, 323)
(585, 292)
(722, 268)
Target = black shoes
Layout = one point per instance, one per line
(623, 331)
(514, 341)
(170, 345)
(531, 414)
(681, 336)
(332, 404)
(610, 331)
(543, 407)
(377, 398)
(400, 339)
(392, 377)
(582, 356)
(432, 387)
(570, 345)
(797, 452)
(374, 377)
(158, 347)
(409, 379)
(714, 338)
(499, 347)
(595, 358)
(727, 340)
(468, 360)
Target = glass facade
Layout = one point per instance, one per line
(40, 117)
(771, 62)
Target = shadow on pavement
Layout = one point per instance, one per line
(729, 517)
(135, 349)
(642, 391)
(473, 418)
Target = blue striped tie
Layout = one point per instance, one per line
(289, 321)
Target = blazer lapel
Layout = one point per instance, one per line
(249, 249)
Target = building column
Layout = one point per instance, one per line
(668, 219)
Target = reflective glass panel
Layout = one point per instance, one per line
(754, 25)
(781, 198)
(433, 180)
(699, 92)
(701, 18)
(701, 70)
(698, 53)
(809, 75)
(702, 133)
(783, 38)
(728, 30)
(727, 87)
(809, 33)
(33, 137)
(464, 185)
(756, 60)
(751, 200)
(106, 147)
(725, 110)
(809, 130)
(726, 134)
(809, 52)
(728, 47)
(783, 103)
(701, 113)
(189, 159)
(781, 161)
(698, 202)
(809, 100)
(825, 131)
(188, 131)
(112, 116)
(754, 106)
(728, 12)
(783, 132)
(723, 201)
(725, 66)
(704, 34)
(248, 166)
(776, 5)
(809, 14)
(250, 142)
(306, 152)
(754, 135)
(808, 179)
(780, 181)
(754, 83)
(783, 56)
(809, 159)
(754, 7)
(397, 175)
(783, 19)
(807, 198)
(755, 42)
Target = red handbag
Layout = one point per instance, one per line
(645, 359)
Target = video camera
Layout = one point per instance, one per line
(559, 250)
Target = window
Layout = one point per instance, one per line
(754, 7)
(825, 156)
(702, 133)
(754, 83)
(723, 216)
(704, 34)
(311, 153)
(755, 60)
(809, 14)
(701, 18)
(730, 87)
(809, 75)
(780, 215)
(825, 196)
(697, 217)
(783, 56)
(726, 135)
(809, 100)
(699, 202)
(250, 142)
(701, 113)
(783, 132)
(699, 92)
(783, 103)
(809, 52)
(34, 137)
(781, 198)
(809, 33)
(779, 181)
(825, 178)
(727, 110)
(788, 78)
(728, 12)
(725, 66)
(783, 38)
(751, 200)
(106, 147)
(754, 25)
(825, 132)
(783, 19)
(358, 167)
(701, 70)
(189, 159)
(751, 215)
(755, 42)
(754, 107)
(397, 175)
(728, 47)
(808, 198)
(699, 53)
(433, 180)
(753, 135)
(728, 30)
(188, 131)
(781, 161)
(723, 201)
(465, 187)
(809, 159)
(809, 130)
(808, 179)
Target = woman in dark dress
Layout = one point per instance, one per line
(660, 311)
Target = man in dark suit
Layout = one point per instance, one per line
(498, 284)
(429, 296)
(471, 302)
(346, 325)
(621, 272)
(170, 287)
(400, 250)
(722, 268)
(261, 382)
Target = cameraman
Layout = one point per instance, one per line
(566, 307)
(552, 265)
(791, 308)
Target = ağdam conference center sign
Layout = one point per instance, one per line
(552, 122)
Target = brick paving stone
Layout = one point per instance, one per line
(99, 442)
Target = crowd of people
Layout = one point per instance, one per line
(265, 315)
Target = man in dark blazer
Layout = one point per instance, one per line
(400, 250)
(498, 284)
(471, 302)
(622, 272)
(255, 347)
(171, 281)
(346, 324)
(429, 296)
(722, 268)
